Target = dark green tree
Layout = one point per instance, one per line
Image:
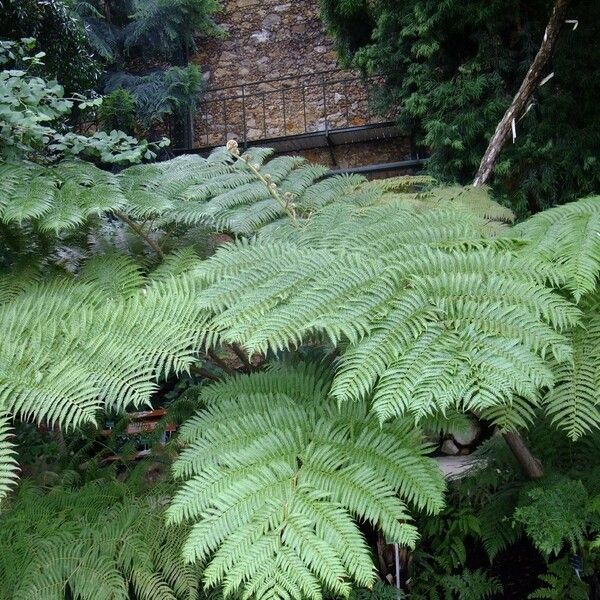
(451, 70)
(145, 48)
(69, 55)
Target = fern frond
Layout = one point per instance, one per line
(99, 542)
(278, 477)
(72, 347)
(433, 320)
(568, 238)
(573, 403)
(8, 463)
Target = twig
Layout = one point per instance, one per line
(241, 354)
(135, 227)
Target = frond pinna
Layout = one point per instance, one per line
(278, 479)
(102, 541)
(430, 313)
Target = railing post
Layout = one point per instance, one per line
(324, 103)
(244, 117)
(284, 115)
(225, 119)
(264, 115)
(347, 101)
(304, 106)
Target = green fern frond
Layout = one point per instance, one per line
(568, 238)
(431, 318)
(471, 200)
(472, 585)
(554, 513)
(72, 347)
(278, 476)
(98, 542)
(573, 403)
(561, 582)
(8, 463)
(58, 198)
(498, 531)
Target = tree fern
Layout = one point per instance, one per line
(99, 542)
(429, 318)
(568, 238)
(189, 190)
(278, 477)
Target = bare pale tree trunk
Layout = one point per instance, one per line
(532, 467)
(523, 96)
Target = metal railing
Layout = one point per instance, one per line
(285, 106)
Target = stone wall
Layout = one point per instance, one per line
(267, 39)
(284, 41)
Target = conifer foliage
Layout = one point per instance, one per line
(450, 70)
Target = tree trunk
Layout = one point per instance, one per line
(523, 96)
(532, 467)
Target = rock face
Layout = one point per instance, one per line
(450, 448)
(285, 41)
(467, 437)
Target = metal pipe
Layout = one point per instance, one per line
(378, 168)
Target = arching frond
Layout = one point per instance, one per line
(568, 238)
(278, 476)
(8, 463)
(430, 317)
(57, 198)
(573, 404)
(98, 542)
(72, 346)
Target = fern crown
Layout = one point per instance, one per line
(277, 478)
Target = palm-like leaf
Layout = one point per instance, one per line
(430, 318)
(278, 476)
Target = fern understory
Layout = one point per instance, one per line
(430, 301)
(102, 541)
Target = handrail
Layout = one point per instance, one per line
(276, 79)
(293, 105)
